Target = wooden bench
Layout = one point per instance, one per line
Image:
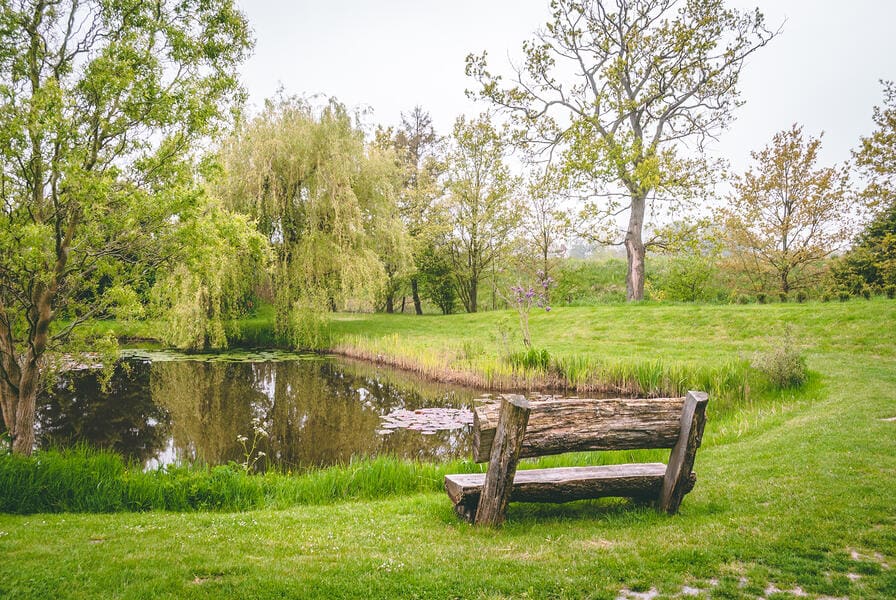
(516, 428)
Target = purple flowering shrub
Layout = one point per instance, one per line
(523, 298)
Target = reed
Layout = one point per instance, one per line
(83, 480)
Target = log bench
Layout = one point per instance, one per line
(516, 428)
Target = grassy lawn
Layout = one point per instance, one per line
(795, 492)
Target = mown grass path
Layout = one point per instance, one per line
(796, 495)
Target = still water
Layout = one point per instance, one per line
(162, 408)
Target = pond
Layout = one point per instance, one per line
(163, 408)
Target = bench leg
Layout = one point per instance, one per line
(678, 480)
(505, 455)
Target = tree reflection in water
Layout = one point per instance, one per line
(316, 412)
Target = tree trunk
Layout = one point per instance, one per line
(390, 303)
(23, 432)
(634, 249)
(474, 288)
(415, 292)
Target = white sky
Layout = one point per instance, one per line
(389, 55)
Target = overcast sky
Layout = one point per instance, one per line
(390, 55)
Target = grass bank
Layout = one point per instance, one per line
(794, 497)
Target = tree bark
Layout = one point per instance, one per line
(634, 249)
(584, 424)
(415, 293)
(390, 303)
(23, 434)
(474, 289)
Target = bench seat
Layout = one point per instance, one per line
(564, 484)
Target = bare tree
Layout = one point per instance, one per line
(614, 90)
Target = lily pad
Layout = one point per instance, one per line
(427, 420)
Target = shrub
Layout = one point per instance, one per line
(890, 291)
(866, 293)
(761, 298)
(742, 299)
(827, 297)
(784, 364)
(782, 297)
(843, 295)
(802, 296)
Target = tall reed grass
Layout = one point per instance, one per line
(534, 369)
(86, 480)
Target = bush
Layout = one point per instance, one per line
(843, 295)
(827, 297)
(782, 297)
(866, 293)
(742, 299)
(583, 282)
(802, 296)
(784, 365)
(890, 291)
(761, 298)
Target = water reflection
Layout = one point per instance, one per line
(315, 412)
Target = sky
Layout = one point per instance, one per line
(386, 56)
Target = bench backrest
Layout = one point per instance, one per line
(580, 424)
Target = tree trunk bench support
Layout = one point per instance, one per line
(503, 433)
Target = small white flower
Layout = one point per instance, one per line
(242, 439)
(260, 454)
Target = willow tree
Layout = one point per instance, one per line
(218, 262)
(101, 104)
(616, 89)
(324, 199)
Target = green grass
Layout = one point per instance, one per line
(85, 480)
(795, 489)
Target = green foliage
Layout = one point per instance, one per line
(530, 359)
(103, 104)
(222, 258)
(802, 296)
(687, 278)
(783, 365)
(872, 259)
(583, 282)
(308, 325)
(436, 278)
(787, 215)
(481, 206)
(324, 200)
(876, 157)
